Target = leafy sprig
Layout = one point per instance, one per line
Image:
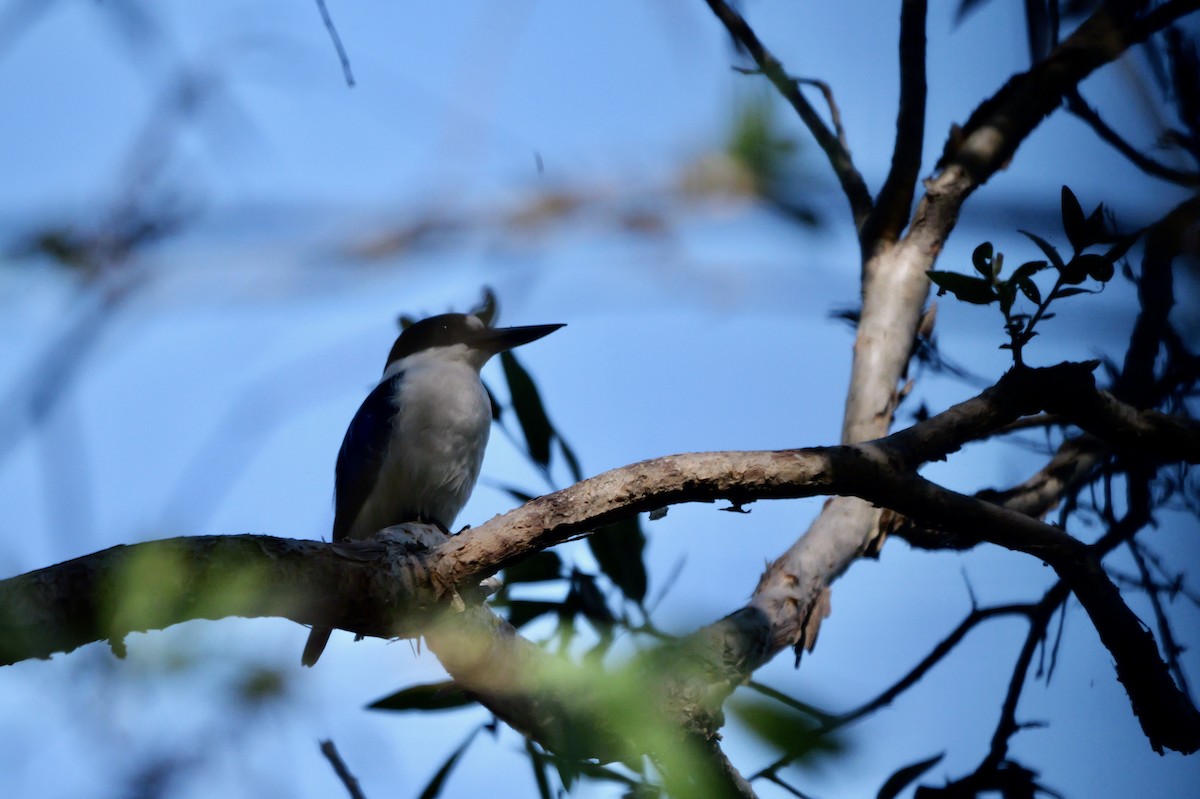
(1083, 233)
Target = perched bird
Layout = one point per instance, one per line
(413, 450)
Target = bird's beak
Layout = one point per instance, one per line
(496, 340)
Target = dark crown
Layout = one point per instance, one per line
(442, 330)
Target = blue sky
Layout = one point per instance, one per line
(213, 398)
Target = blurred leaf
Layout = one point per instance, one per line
(756, 144)
(904, 777)
(527, 404)
(517, 494)
(260, 685)
(569, 456)
(445, 695)
(536, 568)
(1050, 252)
(487, 308)
(1070, 292)
(982, 259)
(567, 771)
(523, 611)
(538, 761)
(965, 8)
(439, 778)
(785, 729)
(618, 549)
(1074, 224)
(497, 408)
(968, 289)
(586, 597)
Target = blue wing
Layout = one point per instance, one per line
(361, 456)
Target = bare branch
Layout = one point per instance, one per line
(1079, 107)
(339, 767)
(839, 156)
(894, 203)
(343, 57)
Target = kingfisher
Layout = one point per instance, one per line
(413, 450)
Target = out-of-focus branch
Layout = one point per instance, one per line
(839, 156)
(894, 203)
(369, 588)
(1080, 108)
(341, 770)
(331, 29)
(1167, 238)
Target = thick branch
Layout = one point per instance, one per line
(377, 587)
(365, 587)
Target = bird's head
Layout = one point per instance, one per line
(465, 337)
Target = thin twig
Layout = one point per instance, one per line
(835, 113)
(339, 768)
(839, 156)
(337, 42)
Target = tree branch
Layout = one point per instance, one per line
(370, 588)
(1079, 107)
(894, 203)
(839, 156)
(388, 587)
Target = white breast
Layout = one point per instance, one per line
(439, 434)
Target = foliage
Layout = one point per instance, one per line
(1082, 233)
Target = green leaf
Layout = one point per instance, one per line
(531, 413)
(785, 729)
(435, 696)
(434, 788)
(618, 548)
(535, 569)
(982, 259)
(1074, 223)
(1044, 246)
(904, 777)
(968, 289)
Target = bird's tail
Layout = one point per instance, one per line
(316, 645)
